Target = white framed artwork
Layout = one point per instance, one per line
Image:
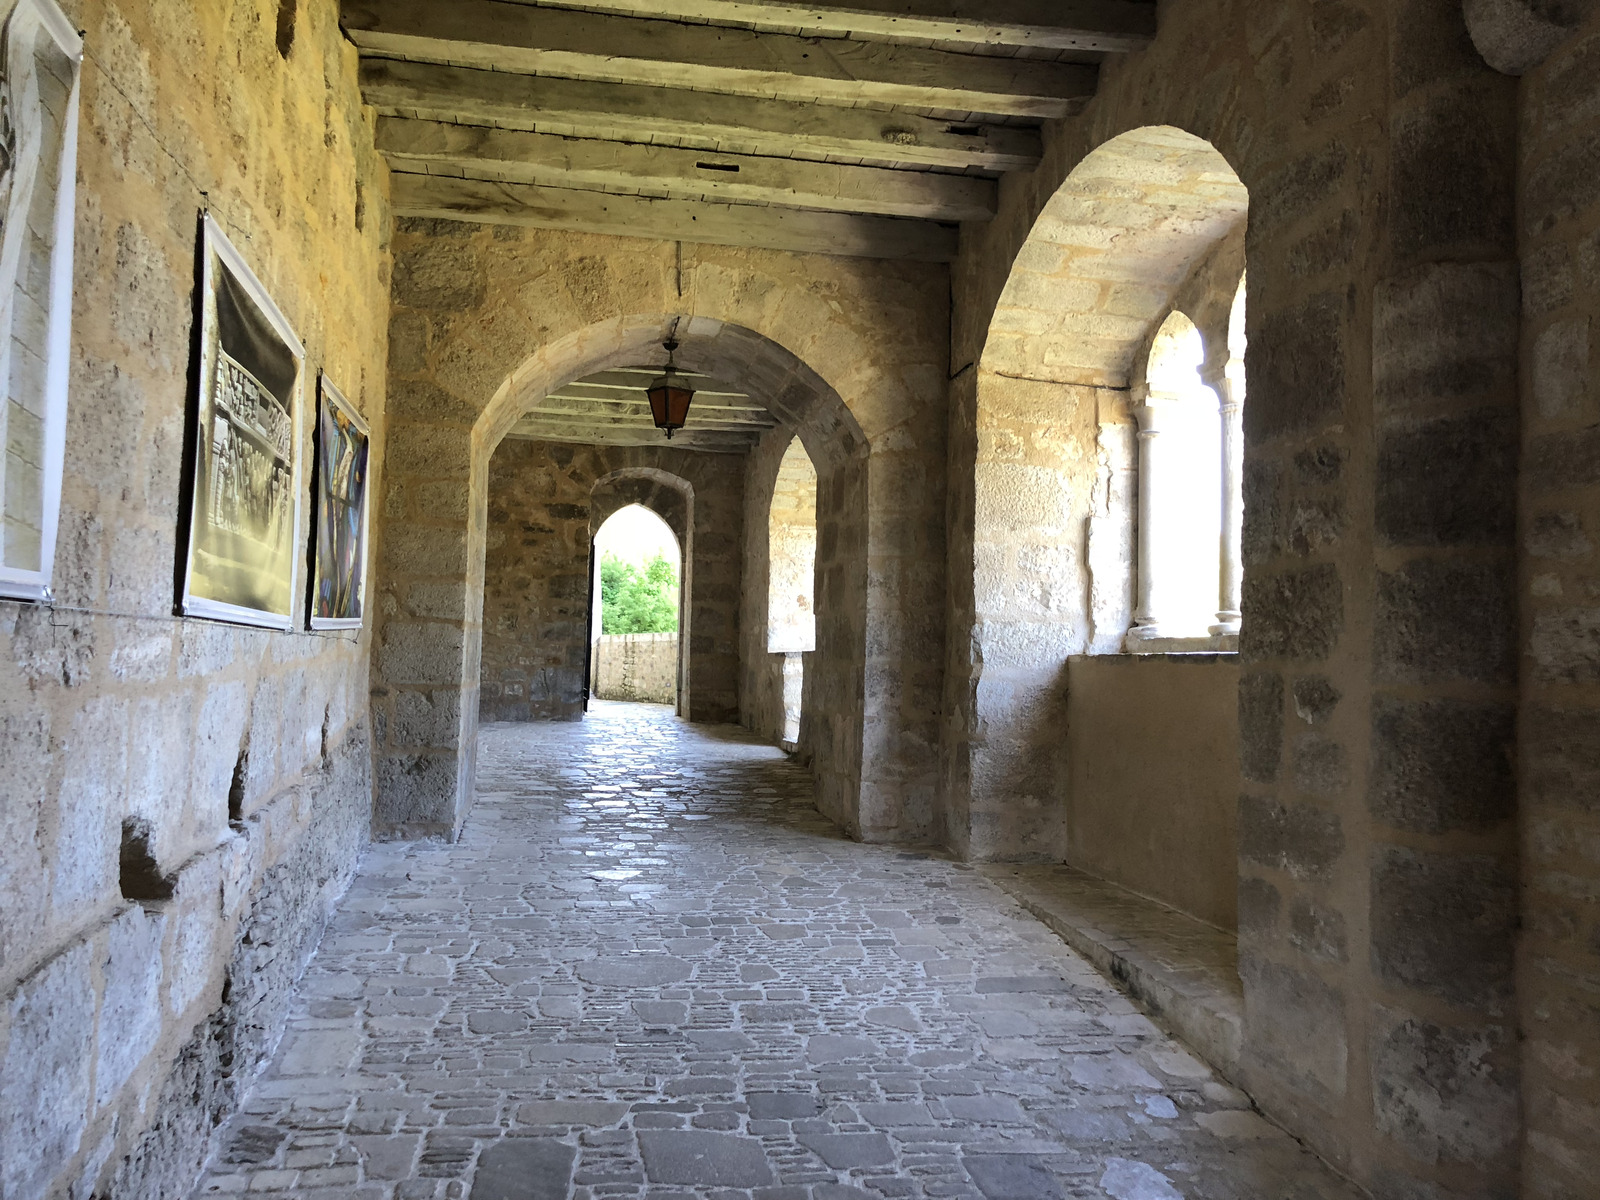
(242, 559)
(41, 59)
(342, 462)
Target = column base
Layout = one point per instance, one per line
(1142, 633)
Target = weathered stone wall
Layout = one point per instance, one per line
(1377, 851)
(1153, 773)
(1031, 581)
(850, 353)
(1559, 971)
(637, 666)
(129, 1022)
(546, 502)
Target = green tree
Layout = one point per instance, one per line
(635, 601)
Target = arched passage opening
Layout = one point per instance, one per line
(1114, 322)
(634, 610)
(639, 633)
(439, 655)
(547, 504)
(783, 478)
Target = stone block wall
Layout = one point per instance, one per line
(637, 666)
(146, 754)
(1558, 979)
(546, 502)
(1376, 826)
(1030, 580)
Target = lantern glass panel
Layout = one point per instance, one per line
(669, 406)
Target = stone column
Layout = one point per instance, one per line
(1146, 620)
(1228, 385)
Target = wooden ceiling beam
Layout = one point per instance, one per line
(1107, 26)
(610, 408)
(506, 36)
(696, 120)
(699, 417)
(701, 401)
(710, 397)
(640, 378)
(686, 439)
(518, 156)
(671, 220)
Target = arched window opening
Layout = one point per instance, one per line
(1189, 569)
(791, 587)
(1180, 490)
(636, 608)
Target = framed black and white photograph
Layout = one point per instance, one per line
(242, 560)
(41, 56)
(339, 528)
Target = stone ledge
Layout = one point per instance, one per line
(1181, 971)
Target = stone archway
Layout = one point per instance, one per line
(429, 657)
(670, 497)
(1100, 270)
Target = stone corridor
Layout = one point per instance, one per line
(651, 969)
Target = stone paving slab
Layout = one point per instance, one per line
(650, 969)
(1181, 971)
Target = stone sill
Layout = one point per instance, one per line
(1174, 656)
(1224, 643)
(1181, 971)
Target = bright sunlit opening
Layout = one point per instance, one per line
(1187, 516)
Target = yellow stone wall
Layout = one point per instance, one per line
(111, 708)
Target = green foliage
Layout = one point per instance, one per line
(634, 601)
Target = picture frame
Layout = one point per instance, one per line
(242, 556)
(341, 520)
(40, 78)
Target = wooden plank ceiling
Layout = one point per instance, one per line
(861, 127)
(611, 409)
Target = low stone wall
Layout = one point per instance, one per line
(636, 666)
(1153, 753)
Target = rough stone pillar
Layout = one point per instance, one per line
(425, 668)
(1378, 898)
(834, 694)
(1441, 1036)
(1558, 980)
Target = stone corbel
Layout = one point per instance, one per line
(1515, 36)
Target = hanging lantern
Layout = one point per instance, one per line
(670, 396)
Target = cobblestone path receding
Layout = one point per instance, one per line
(651, 969)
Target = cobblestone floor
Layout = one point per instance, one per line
(650, 969)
